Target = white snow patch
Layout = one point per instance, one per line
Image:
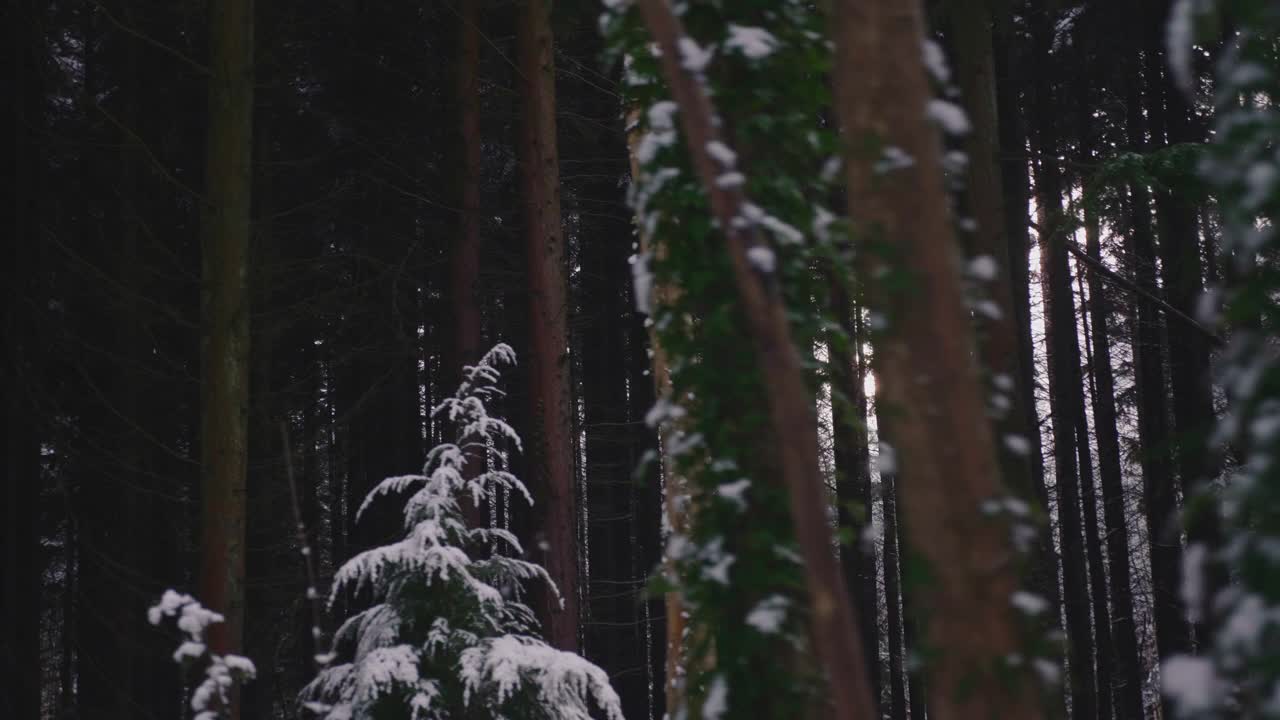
(762, 259)
(886, 459)
(731, 180)
(642, 279)
(693, 57)
(735, 492)
(1028, 603)
(1017, 444)
(936, 62)
(769, 614)
(753, 42)
(662, 115)
(722, 153)
(949, 116)
(716, 703)
(984, 268)
(1191, 683)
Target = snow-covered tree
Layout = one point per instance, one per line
(1231, 581)
(447, 635)
(223, 674)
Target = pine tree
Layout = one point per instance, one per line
(447, 634)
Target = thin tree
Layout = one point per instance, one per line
(948, 462)
(1159, 490)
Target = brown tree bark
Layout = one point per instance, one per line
(464, 253)
(224, 341)
(791, 409)
(674, 509)
(925, 365)
(998, 345)
(552, 444)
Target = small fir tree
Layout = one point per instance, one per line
(447, 635)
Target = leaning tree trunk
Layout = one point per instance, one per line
(224, 341)
(548, 321)
(792, 415)
(948, 463)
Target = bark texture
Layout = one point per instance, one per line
(553, 444)
(947, 459)
(224, 342)
(791, 408)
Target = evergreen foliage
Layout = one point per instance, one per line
(1238, 672)
(447, 635)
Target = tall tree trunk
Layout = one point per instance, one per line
(673, 507)
(1104, 658)
(20, 553)
(224, 342)
(999, 345)
(792, 415)
(893, 601)
(1127, 681)
(943, 441)
(1181, 272)
(1064, 384)
(1159, 491)
(1043, 572)
(853, 476)
(548, 306)
(464, 252)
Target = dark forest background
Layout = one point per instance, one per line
(362, 165)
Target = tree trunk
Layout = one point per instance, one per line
(673, 508)
(948, 460)
(1064, 387)
(853, 476)
(998, 346)
(1127, 680)
(1181, 271)
(548, 305)
(1159, 491)
(792, 415)
(464, 256)
(224, 342)
(1043, 572)
(21, 558)
(894, 606)
(1104, 657)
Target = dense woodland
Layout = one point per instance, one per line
(862, 358)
